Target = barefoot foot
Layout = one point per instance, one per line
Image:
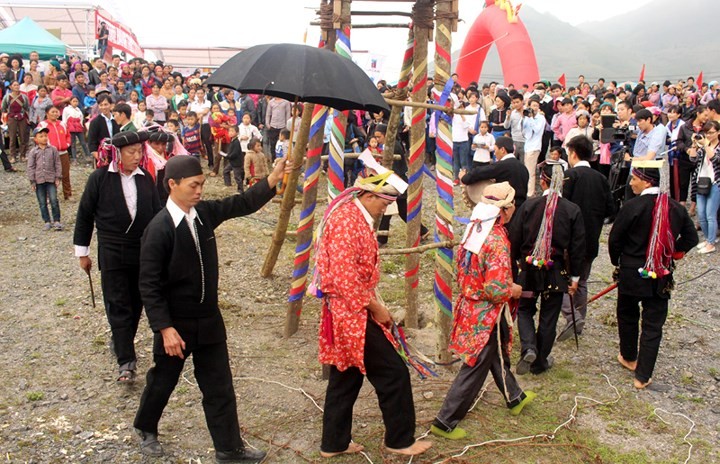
(351, 449)
(419, 447)
(630, 365)
(641, 385)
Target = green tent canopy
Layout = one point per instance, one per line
(26, 36)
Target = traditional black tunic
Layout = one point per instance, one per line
(103, 205)
(179, 287)
(568, 237)
(628, 249)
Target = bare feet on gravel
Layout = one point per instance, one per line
(640, 385)
(419, 447)
(630, 365)
(351, 449)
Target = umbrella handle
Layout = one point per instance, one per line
(281, 188)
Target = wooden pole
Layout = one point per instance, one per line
(288, 201)
(416, 158)
(395, 110)
(419, 249)
(444, 205)
(428, 106)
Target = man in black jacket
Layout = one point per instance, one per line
(119, 199)
(545, 272)
(628, 248)
(179, 287)
(590, 190)
(103, 125)
(508, 168)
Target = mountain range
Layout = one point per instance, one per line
(673, 39)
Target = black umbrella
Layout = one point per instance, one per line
(300, 72)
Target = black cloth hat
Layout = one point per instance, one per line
(160, 136)
(504, 97)
(123, 139)
(180, 167)
(651, 175)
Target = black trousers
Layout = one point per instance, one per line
(654, 313)
(388, 373)
(123, 307)
(272, 137)
(207, 141)
(212, 371)
(542, 340)
(470, 380)
(402, 211)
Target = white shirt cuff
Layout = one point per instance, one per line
(575, 279)
(81, 251)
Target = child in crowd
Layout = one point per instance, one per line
(283, 144)
(191, 135)
(256, 167)
(484, 144)
(149, 118)
(583, 127)
(89, 101)
(72, 116)
(235, 160)
(246, 132)
(182, 113)
(140, 116)
(374, 148)
(232, 117)
(45, 174)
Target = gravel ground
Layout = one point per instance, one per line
(59, 401)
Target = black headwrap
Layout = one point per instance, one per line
(181, 167)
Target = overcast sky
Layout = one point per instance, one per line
(234, 24)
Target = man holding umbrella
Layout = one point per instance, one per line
(179, 287)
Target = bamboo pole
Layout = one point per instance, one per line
(419, 249)
(395, 110)
(428, 106)
(444, 205)
(288, 201)
(416, 159)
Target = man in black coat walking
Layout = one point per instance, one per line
(590, 190)
(508, 168)
(120, 200)
(632, 230)
(547, 238)
(179, 286)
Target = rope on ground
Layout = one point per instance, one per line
(300, 390)
(685, 438)
(550, 436)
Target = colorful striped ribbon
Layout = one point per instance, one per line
(336, 160)
(444, 206)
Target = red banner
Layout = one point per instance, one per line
(119, 37)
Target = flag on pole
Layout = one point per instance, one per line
(699, 80)
(642, 73)
(562, 81)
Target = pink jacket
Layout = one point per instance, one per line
(563, 123)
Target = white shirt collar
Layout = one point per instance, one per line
(112, 168)
(580, 164)
(651, 191)
(107, 118)
(547, 192)
(178, 214)
(366, 215)
(508, 156)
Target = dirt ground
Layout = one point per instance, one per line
(59, 401)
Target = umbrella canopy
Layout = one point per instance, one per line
(307, 73)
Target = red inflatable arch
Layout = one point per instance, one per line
(499, 22)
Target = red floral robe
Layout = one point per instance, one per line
(484, 288)
(348, 264)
